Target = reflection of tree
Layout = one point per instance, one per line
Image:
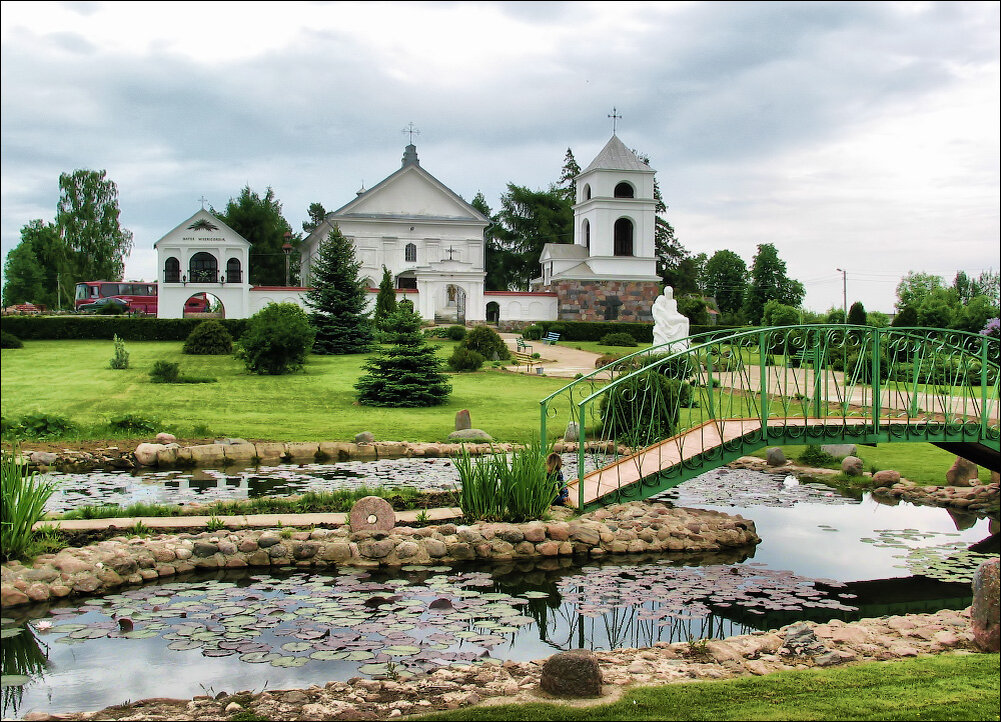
(21, 654)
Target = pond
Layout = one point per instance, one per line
(823, 555)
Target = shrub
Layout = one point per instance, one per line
(464, 359)
(816, 456)
(9, 340)
(93, 327)
(644, 408)
(456, 333)
(23, 495)
(121, 358)
(164, 372)
(277, 341)
(43, 426)
(112, 309)
(133, 423)
(207, 339)
(532, 333)
(618, 339)
(486, 342)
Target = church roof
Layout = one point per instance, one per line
(616, 156)
(563, 251)
(206, 223)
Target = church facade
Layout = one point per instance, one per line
(432, 243)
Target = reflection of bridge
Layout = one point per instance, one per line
(665, 417)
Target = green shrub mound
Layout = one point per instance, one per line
(277, 341)
(456, 333)
(165, 372)
(464, 359)
(618, 339)
(816, 457)
(487, 342)
(101, 328)
(9, 340)
(38, 425)
(532, 333)
(133, 423)
(209, 338)
(644, 408)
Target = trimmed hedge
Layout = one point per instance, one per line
(78, 328)
(595, 330)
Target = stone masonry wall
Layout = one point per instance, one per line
(587, 300)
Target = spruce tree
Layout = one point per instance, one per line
(385, 302)
(409, 373)
(337, 299)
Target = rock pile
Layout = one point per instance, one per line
(980, 498)
(624, 528)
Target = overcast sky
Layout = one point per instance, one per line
(857, 136)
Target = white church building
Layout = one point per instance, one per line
(432, 243)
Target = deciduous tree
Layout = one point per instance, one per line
(259, 219)
(770, 282)
(726, 280)
(87, 217)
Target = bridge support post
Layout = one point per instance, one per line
(763, 382)
(581, 436)
(877, 383)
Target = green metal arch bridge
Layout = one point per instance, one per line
(655, 418)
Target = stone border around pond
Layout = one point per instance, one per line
(802, 645)
(630, 528)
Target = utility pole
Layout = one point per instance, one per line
(844, 292)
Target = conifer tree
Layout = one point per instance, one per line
(409, 373)
(337, 299)
(385, 302)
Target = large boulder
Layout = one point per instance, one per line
(462, 420)
(961, 472)
(571, 674)
(470, 435)
(985, 609)
(775, 457)
(839, 451)
(146, 453)
(886, 477)
(852, 466)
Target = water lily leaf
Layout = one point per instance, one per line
(7, 633)
(183, 644)
(259, 657)
(13, 680)
(142, 633)
(359, 656)
(297, 646)
(289, 661)
(328, 654)
(535, 595)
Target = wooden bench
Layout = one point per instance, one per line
(524, 358)
(522, 345)
(551, 338)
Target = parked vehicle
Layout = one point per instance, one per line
(111, 304)
(140, 297)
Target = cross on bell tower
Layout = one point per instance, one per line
(615, 117)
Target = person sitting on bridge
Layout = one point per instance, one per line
(554, 472)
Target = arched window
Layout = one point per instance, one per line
(624, 190)
(587, 191)
(203, 268)
(586, 232)
(493, 312)
(623, 237)
(410, 253)
(233, 271)
(171, 270)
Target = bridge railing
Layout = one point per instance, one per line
(724, 390)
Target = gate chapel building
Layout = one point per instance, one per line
(432, 243)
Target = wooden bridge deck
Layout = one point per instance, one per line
(670, 452)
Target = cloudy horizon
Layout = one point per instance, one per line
(862, 136)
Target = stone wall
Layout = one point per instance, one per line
(626, 528)
(587, 300)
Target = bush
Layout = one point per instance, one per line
(277, 341)
(100, 328)
(815, 456)
(486, 342)
(121, 358)
(23, 494)
(532, 333)
(133, 423)
(644, 408)
(9, 340)
(618, 339)
(464, 359)
(209, 338)
(456, 333)
(43, 426)
(165, 372)
(500, 487)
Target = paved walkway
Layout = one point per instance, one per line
(559, 360)
(255, 521)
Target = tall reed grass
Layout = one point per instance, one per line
(503, 487)
(23, 494)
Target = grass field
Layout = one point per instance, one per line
(72, 378)
(942, 687)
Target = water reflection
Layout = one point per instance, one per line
(23, 658)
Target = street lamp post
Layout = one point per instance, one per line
(844, 292)
(287, 249)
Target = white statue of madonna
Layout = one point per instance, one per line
(669, 326)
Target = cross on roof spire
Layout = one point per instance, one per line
(412, 131)
(203, 200)
(614, 116)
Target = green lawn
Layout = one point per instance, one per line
(942, 687)
(72, 378)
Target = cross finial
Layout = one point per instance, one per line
(614, 116)
(450, 252)
(203, 201)
(412, 131)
